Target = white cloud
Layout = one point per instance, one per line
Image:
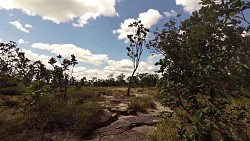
(0, 40)
(61, 11)
(171, 13)
(22, 41)
(82, 55)
(148, 19)
(19, 26)
(189, 5)
(28, 26)
(126, 66)
(154, 58)
(115, 67)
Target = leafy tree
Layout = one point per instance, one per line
(149, 80)
(12, 60)
(120, 80)
(110, 80)
(83, 81)
(205, 66)
(137, 39)
(60, 75)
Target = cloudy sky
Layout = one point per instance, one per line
(94, 30)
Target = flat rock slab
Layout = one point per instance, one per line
(122, 129)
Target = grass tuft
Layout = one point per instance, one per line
(141, 104)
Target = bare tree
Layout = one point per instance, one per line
(137, 40)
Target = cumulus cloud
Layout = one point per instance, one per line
(19, 26)
(115, 67)
(148, 18)
(189, 5)
(0, 40)
(82, 55)
(170, 14)
(61, 11)
(28, 26)
(22, 41)
(126, 66)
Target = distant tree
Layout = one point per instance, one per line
(111, 80)
(206, 61)
(137, 40)
(135, 79)
(83, 81)
(120, 80)
(148, 80)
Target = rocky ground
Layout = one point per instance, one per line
(121, 124)
(118, 123)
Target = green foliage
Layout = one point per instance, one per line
(141, 104)
(205, 66)
(10, 85)
(148, 80)
(60, 77)
(12, 61)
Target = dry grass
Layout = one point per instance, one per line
(141, 104)
(166, 131)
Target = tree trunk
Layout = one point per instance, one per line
(130, 82)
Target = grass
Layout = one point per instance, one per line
(141, 104)
(166, 131)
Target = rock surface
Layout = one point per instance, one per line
(121, 124)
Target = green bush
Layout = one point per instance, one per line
(141, 104)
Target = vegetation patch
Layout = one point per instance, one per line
(166, 131)
(141, 104)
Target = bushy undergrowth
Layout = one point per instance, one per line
(51, 114)
(141, 104)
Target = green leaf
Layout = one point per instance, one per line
(217, 113)
(197, 117)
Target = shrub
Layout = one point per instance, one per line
(53, 114)
(83, 96)
(141, 104)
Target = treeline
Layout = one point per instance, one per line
(18, 71)
(139, 80)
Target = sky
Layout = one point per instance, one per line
(94, 31)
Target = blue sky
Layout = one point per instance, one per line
(93, 30)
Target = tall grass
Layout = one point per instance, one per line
(141, 104)
(166, 131)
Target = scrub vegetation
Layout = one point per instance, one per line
(205, 75)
